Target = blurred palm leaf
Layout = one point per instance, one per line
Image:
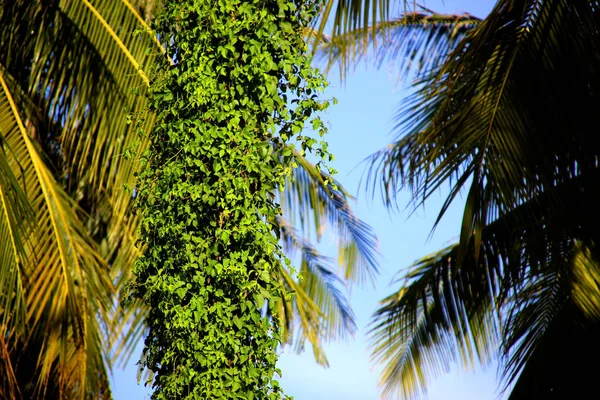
(352, 15)
(313, 205)
(319, 310)
(319, 305)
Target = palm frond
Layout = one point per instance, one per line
(320, 283)
(311, 204)
(68, 284)
(478, 119)
(559, 365)
(301, 318)
(452, 304)
(585, 290)
(16, 217)
(352, 15)
(493, 120)
(76, 64)
(15, 213)
(416, 41)
(533, 309)
(89, 58)
(437, 317)
(553, 323)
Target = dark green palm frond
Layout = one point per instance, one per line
(532, 310)
(561, 365)
(554, 323)
(481, 120)
(320, 283)
(416, 41)
(505, 118)
(312, 204)
(451, 305)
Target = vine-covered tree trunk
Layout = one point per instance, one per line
(240, 87)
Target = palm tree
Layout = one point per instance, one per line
(72, 78)
(503, 111)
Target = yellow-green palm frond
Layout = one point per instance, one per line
(585, 289)
(70, 68)
(89, 56)
(62, 281)
(15, 216)
(301, 318)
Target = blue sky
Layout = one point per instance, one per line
(360, 124)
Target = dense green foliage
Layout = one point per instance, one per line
(240, 88)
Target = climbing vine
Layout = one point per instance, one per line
(230, 104)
